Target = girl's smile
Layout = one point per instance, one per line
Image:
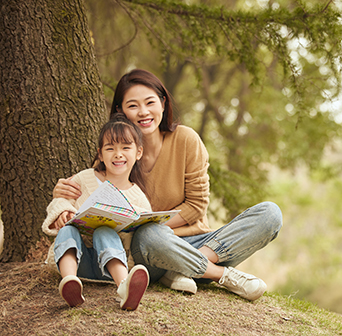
(119, 163)
(119, 158)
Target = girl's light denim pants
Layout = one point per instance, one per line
(91, 262)
(159, 249)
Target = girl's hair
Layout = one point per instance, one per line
(120, 129)
(146, 78)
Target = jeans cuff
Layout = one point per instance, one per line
(66, 245)
(218, 248)
(202, 268)
(109, 254)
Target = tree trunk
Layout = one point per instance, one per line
(51, 109)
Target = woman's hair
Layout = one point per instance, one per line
(146, 78)
(120, 129)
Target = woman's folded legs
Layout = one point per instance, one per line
(156, 247)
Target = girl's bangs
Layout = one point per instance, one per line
(120, 133)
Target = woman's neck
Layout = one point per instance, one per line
(153, 144)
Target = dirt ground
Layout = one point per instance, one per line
(31, 305)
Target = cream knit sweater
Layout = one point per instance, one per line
(88, 183)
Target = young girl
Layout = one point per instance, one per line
(117, 160)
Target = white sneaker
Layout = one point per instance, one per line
(178, 281)
(132, 289)
(245, 285)
(71, 289)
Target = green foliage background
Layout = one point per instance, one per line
(305, 260)
(249, 76)
(256, 79)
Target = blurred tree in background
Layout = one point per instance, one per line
(253, 77)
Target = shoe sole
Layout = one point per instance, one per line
(71, 292)
(136, 289)
(179, 286)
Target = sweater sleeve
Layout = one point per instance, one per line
(196, 180)
(86, 179)
(54, 209)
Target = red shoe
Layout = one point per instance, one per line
(132, 289)
(71, 289)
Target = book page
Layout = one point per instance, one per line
(158, 216)
(92, 218)
(108, 194)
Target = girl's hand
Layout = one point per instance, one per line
(62, 219)
(66, 188)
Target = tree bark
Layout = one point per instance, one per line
(51, 109)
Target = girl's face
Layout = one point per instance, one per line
(143, 107)
(119, 158)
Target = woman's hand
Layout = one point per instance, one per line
(62, 219)
(176, 222)
(67, 188)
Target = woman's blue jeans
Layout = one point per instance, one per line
(91, 261)
(159, 249)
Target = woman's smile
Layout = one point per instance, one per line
(145, 122)
(143, 107)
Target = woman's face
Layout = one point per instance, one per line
(143, 107)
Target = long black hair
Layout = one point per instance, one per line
(148, 79)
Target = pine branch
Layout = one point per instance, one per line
(221, 14)
(134, 34)
(197, 32)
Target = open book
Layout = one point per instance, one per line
(107, 205)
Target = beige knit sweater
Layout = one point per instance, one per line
(88, 183)
(179, 180)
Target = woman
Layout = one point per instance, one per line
(175, 172)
